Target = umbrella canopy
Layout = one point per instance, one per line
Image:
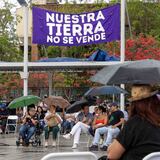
(103, 90)
(76, 106)
(135, 72)
(57, 101)
(24, 101)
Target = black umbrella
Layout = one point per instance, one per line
(134, 72)
(76, 106)
(104, 90)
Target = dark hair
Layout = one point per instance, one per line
(29, 107)
(84, 105)
(148, 108)
(40, 108)
(101, 107)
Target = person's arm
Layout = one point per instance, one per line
(119, 123)
(115, 150)
(58, 118)
(34, 121)
(94, 122)
(48, 116)
(24, 120)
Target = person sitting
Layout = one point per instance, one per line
(95, 113)
(52, 120)
(116, 119)
(68, 122)
(140, 135)
(19, 113)
(100, 119)
(28, 127)
(83, 123)
(4, 113)
(40, 117)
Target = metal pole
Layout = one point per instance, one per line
(122, 50)
(50, 76)
(25, 58)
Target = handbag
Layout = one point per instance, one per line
(52, 122)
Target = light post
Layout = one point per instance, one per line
(24, 4)
(24, 74)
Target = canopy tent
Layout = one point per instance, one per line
(98, 55)
(54, 66)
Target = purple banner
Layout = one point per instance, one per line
(59, 29)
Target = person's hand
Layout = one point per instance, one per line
(94, 127)
(53, 114)
(113, 126)
(28, 116)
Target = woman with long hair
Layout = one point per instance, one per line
(140, 136)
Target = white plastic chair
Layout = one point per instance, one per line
(11, 124)
(152, 156)
(70, 156)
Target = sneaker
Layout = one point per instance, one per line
(46, 144)
(93, 148)
(104, 148)
(67, 136)
(54, 143)
(75, 145)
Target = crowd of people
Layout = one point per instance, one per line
(106, 121)
(124, 134)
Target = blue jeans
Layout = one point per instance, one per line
(26, 132)
(108, 131)
(67, 126)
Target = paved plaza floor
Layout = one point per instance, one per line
(9, 150)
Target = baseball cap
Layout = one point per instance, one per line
(113, 104)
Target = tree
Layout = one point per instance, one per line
(8, 40)
(145, 18)
(140, 47)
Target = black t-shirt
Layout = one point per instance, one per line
(115, 117)
(139, 137)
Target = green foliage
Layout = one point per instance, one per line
(54, 51)
(8, 51)
(8, 39)
(145, 18)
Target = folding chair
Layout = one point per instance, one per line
(11, 125)
(70, 156)
(152, 156)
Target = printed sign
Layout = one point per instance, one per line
(59, 29)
